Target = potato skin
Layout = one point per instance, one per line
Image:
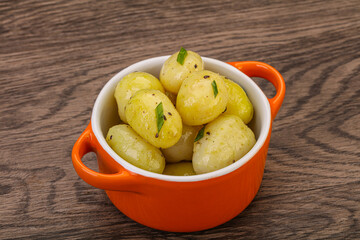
(196, 101)
(179, 169)
(140, 113)
(239, 103)
(135, 150)
(172, 73)
(226, 140)
(129, 85)
(183, 149)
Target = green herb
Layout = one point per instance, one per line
(200, 134)
(181, 56)
(159, 116)
(214, 86)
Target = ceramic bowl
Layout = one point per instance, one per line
(181, 203)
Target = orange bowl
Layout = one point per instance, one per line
(181, 203)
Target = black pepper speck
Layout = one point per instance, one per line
(206, 76)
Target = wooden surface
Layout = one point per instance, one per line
(55, 56)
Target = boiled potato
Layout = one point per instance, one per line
(141, 114)
(238, 104)
(198, 100)
(129, 85)
(179, 169)
(183, 149)
(135, 150)
(172, 73)
(225, 141)
(171, 96)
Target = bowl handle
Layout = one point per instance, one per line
(263, 70)
(122, 180)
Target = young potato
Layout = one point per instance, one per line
(183, 149)
(132, 148)
(238, 104)
(129, 85)
(141, 113)
(200, 100)
(179, 169)
(226, 140)
(172, 73)
(171, 96)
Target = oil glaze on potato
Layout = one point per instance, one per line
(183, 149)
(135, 150)
(172, 73)
(129, 85)
(238, 104)
(141, 116)
(196, 101)
(179, 169)
(225, 141)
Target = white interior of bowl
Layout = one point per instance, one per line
(105, 114)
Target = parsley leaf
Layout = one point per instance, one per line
(159, 116)
(200, 134)
(181, 56)
(215, 89)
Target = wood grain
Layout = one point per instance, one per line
(55, 56)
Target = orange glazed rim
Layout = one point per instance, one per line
(267, 108)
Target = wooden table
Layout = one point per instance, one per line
(55, 56)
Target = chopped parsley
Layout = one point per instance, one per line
(181, 56)
(159, 116)
(200, 134)
(215, 89)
